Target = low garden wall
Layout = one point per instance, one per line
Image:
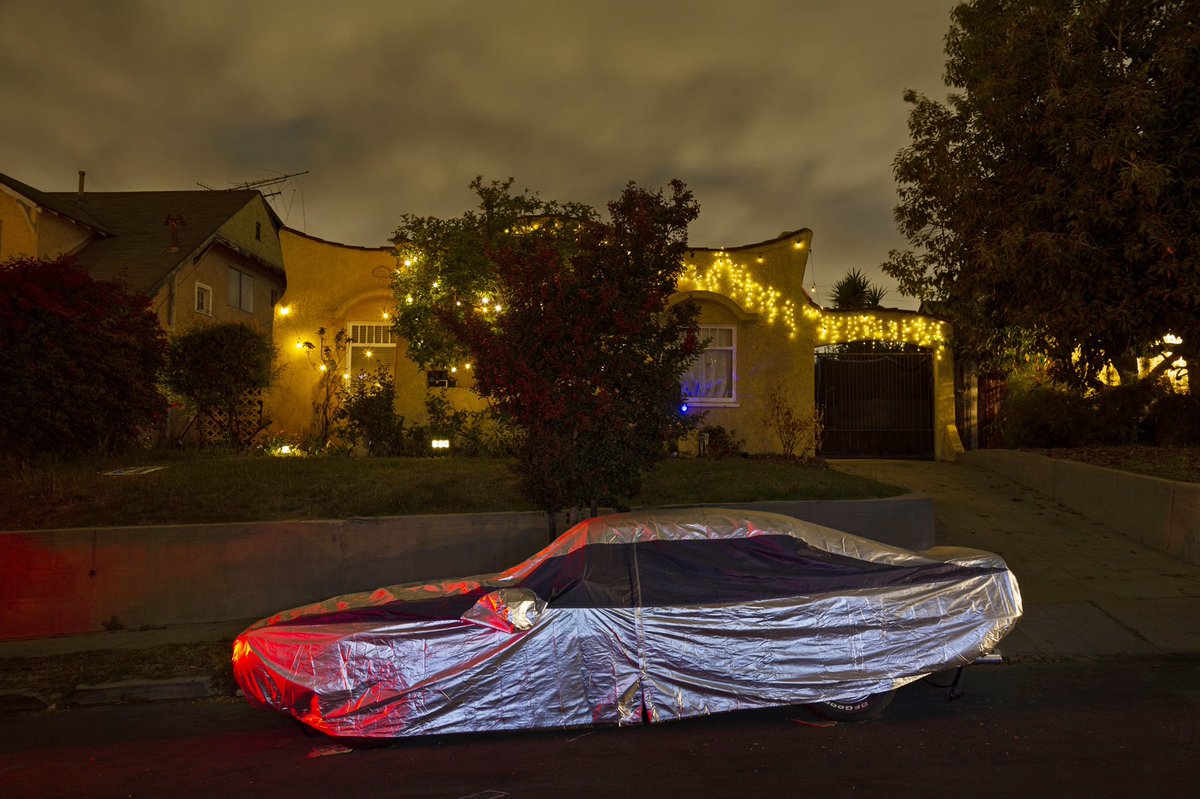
(55, 582)
(1164, 514)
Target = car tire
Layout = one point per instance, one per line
(863, 708)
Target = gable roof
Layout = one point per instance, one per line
(55, 203)
(137, 248)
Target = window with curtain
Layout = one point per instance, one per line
(712, 377)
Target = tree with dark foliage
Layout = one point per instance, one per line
(213, 366)
(1054, 198)
(565, 323)
(79, 360)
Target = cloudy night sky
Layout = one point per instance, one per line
(778, 115)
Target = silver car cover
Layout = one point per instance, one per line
(645, 616)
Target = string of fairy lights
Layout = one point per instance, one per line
(741, 282)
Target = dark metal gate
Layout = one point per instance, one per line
(876, 404)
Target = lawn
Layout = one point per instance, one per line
(196, 488)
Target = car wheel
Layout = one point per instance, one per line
(860, 708)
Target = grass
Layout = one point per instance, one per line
(200, 488)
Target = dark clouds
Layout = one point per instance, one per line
(777, 114)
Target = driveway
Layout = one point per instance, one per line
(1088, 590)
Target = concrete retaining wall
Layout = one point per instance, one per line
(1163, 514)
(55, 582)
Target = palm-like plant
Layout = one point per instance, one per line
(855, 291)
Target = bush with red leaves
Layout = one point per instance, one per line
(79, 360)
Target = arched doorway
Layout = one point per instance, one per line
(875, 403)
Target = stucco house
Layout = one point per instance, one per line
(763, 329)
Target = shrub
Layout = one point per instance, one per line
(491, 435)
(326, 357)
(79, 359)
(1120, 412)
(368, 416)
(213, 367)
(720, 443)
(1036, 414)
(1174, 420)
(474, 433)
(795, 430)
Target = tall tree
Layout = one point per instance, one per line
(1053, 199)
(564, 320)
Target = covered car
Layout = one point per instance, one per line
(632, 618)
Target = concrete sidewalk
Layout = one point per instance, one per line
(1088, 591)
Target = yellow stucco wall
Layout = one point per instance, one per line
(27, 230)
(18, 236)
(331, 285)
(760, 289)
(57, 235)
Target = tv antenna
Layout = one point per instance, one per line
(270, 188)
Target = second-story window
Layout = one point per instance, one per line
(241, 290)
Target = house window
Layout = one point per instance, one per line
(241, 290)
(204, 299)
(373, 345)
(440, 378)
(712, 377)
(258, 231)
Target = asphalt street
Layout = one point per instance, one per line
(1099, 696)
(1121, 727)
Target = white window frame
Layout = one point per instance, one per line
(203, 290)
(371, 336)
(240, 289)
(732, 399)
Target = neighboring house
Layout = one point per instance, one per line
(763, 331)
(199, 255)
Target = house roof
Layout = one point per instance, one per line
(55, 203)
(137, 246)
(787, 235)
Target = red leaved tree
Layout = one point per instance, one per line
(566, 320)
(79, 359)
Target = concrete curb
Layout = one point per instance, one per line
(21, 702)
(143, 691)
(173, 689)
